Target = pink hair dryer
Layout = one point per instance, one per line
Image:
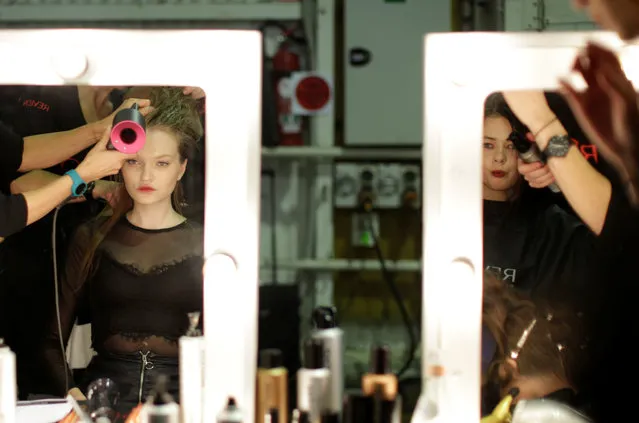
(128, 133)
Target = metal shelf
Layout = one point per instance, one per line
(342, 265)
(45, 11)
(313, 152)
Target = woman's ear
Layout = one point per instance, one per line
(182, 168)
(512, 367)
(509, 370)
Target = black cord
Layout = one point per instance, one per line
(390, 281)
(270, 173)
(56, 283)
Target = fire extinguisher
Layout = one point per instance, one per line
(285, 62)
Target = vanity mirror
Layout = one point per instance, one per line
(196, 219)
(469, 155)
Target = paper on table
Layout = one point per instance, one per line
(42, 411)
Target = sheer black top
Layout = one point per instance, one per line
(138, 293)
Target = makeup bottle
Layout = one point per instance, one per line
(160, 407)
(331, 337)
(380, 380)
(231, 413)
(272, 387)
(192, 371)
(8, 389)
(300, 417)
(312, 382)
(273, 416)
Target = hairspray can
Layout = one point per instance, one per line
(331, 337)
(312, 382)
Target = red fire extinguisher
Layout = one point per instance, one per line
(286, 61)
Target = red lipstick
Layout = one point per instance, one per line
(146, 189)
(498, 173)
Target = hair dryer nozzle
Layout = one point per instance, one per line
(128, 133)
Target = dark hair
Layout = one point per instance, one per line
(496, 106)
(553, 345)
(175, 113)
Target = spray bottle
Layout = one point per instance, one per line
(332, 341)
(312, 382)
(231, 413)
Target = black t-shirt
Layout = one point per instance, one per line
(544, 251)
(35, 110)
(13, 208)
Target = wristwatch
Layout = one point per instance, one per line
(558, 146)
(88, 193)
(79, 186)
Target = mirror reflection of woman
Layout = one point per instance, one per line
(137, 269)
(537, 248)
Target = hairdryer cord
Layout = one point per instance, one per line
(57, 294)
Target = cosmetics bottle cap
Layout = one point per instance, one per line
(231, 403)
(380, 360)
(274, 415)
(313, 354)
(271, 358)
(305, 417)
(325, 317)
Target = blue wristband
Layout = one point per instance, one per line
(79, 186)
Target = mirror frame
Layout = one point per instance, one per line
(461, 70)
(228, 66)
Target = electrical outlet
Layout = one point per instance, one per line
(411, 186)
(367, 185)
(389, 185)
(365, 229)
(347, 185)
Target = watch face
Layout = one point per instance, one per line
(558, 146)
(80, 189)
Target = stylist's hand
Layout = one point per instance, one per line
(532, 109)
(607, 109)
(110, 191)
(144, 106)
(538, 175)
(195, 92)
(101, 162)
